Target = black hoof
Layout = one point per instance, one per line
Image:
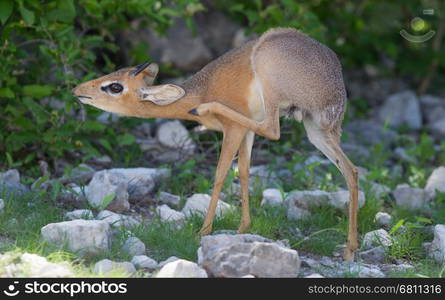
(193, 112)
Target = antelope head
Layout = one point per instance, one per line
(123, 91)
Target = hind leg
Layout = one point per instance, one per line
(328, 142)
(269, 127)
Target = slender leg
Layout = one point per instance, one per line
(244, 166)
(328, 142)
(231, 143)
(269, 127)
(350, 173)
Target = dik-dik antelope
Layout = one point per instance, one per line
(242, 93)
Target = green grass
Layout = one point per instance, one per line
(164, 240)
(408, 244)
(438, 209)
(326, 242)
(423, 268)
(22, 219)
(20, 225)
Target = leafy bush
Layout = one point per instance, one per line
(46, 48)
(260, 15)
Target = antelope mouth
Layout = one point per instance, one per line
(83, 98)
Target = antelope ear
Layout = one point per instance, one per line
(161, 94)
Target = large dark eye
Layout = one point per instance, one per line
(115, 88)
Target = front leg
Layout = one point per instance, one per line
(269, 127)
(231, 143)
(245, 152)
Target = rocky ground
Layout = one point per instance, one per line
(103, 214)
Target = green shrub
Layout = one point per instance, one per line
(47, 47)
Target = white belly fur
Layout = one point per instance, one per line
(255, 101)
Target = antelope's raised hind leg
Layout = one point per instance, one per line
(269, 127)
